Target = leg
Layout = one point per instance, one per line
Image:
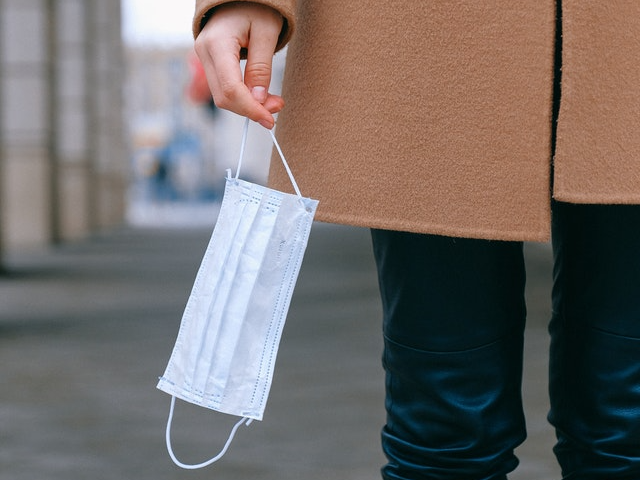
(595, 341)
(453, 327)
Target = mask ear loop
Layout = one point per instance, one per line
(243, 144)
(245, 131)
(244, 420)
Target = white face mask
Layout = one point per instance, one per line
(225, 353)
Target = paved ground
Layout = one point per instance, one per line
(85, 330)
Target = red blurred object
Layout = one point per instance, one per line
(197, 89)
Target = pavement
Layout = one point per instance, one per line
(86, 328)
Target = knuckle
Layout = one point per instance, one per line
(203, 41)
(227, 96)
(259, 71)
(200, 45)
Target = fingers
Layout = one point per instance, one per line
(262, 45)
(219, 54)
(274, 103)
(252, 27)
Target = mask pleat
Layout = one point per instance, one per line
(250, 263)
(246, 210)
(264, 322)
(206, 287)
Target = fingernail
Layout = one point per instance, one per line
(259, 93)
(266, 124)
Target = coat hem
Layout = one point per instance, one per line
(597, 199)
(541, 234)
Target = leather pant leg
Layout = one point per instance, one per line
(454, 317)
(595, 341)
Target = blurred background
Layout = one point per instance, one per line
(103, 120)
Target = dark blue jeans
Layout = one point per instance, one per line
(454, 316)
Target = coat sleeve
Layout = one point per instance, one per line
(287, 8)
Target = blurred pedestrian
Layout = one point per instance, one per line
(456, 131)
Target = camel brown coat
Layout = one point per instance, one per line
(436, 117)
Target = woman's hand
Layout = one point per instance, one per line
(232, 27)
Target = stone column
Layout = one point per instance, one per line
(70, 119)
(63, 161)
(25, 187)
(109, 157)
(2, 229)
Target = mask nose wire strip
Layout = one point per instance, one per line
(277, 145)
(243, 420)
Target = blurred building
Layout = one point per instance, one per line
(63, 156)
(171, 137)
(181, 145)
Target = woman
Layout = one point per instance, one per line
(445, 128)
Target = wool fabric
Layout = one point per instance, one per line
(437, 117)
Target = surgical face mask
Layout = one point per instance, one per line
(225, 353)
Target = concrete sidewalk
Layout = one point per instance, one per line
(86, 329)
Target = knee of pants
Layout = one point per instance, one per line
(453, 415)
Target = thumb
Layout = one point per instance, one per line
(261, 47)
(257, 72)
